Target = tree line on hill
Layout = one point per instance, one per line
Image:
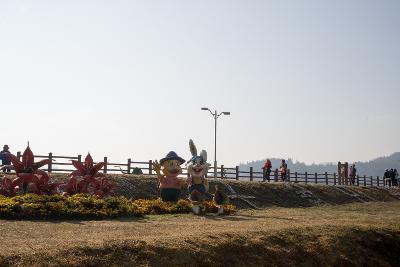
(375, 167)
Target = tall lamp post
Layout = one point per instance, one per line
(215, 116)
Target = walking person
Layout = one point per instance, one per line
(353, 174)
(386, 178)
(393, 177)
(267, 170)
(283, 170)
(4, 158)
(396, 177)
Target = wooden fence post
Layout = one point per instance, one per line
(295, 177)
(334, 178)
(128, 168)
(150, 167)
(276, 175)
(80, 158)
(105, 165)
(358, 180)
(365, 180)
(19, 155)
(222, 172)
(371, 183)
(326, 178)
(288, 175)
(237, 172)
(50, 165)
(377, 181)
(316, 178)
(306, 177)
(251, 173)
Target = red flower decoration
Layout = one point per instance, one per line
(43, 187)
(27, 165)
(105, 188)
(87, 168)
(7, 188)
(28, 171)
(83, 179)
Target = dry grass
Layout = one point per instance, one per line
(354, 234)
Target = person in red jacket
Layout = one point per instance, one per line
(267, 169)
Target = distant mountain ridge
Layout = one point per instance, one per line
(375, 167)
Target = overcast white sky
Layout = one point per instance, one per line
(317, 81)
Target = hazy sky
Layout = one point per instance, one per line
(316, 81)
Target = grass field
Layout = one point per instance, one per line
(361, 234)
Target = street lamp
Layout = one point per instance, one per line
(215, 116)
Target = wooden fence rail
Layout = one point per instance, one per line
(64, 164)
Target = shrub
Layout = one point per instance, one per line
(137, 171)
(86, 206)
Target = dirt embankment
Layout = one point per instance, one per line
(362, 234)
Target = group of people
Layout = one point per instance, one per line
(4, 158)
(391, 177)
(267, 168)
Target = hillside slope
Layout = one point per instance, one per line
(247, 194)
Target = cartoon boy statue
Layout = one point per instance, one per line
(170, 184)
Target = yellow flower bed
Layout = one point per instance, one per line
(83, 206)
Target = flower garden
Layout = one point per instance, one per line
(86, 195)
(86, 206)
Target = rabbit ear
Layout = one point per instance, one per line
(193, 148)
(203, 154)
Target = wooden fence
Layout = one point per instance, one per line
(64, 164)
